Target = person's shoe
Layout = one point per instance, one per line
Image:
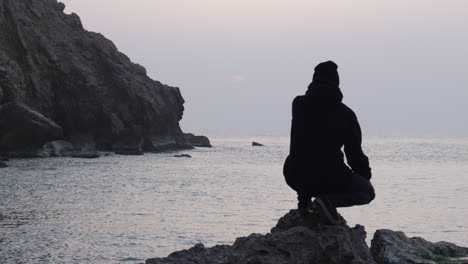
(305, 207)
(327, 211)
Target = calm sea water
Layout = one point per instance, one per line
(125, 209)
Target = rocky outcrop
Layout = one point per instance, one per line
(302, 239)
(390, 247)
(295, 239)
(256, 144)
(197, 141)
(23, 130)
(79, 79)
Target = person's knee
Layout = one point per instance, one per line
(366, 198)
(371, 197)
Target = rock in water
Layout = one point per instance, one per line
(295, 239)
(256, 144)
(80, 80)
(24, 130)
(197, 141)
(391, 247)
(182, 156)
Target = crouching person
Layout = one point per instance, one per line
(321, 126)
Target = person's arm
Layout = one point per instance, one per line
(294, 127)
(355, 157)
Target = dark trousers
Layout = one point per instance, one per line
(359, 192)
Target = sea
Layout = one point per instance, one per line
(126, 209)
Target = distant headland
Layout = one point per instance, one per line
(59, 81)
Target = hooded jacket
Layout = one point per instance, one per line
(321, 126)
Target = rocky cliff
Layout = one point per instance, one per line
(80, 81)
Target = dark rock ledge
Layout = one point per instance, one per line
(294, 239)
(197, 141)
(391, 247)
(305, 239)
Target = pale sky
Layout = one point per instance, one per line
(403, 63)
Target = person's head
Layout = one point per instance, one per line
(326, 82)
(326, 73)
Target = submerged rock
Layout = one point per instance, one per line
(23, 130)
(182, 156)
(256, 144)
(197, 141)
(295, 239)
(391, 247)
(79, 79)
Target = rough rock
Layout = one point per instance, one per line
(91, 154)
(62, 148)
(79, 79)
(197, 141)
(256, 144)
(295, 239)
(130, 142)
(182, 156)
(25, 130)
(391, 247)
(59, 148)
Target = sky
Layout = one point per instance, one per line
(403, 64)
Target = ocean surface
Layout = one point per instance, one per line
(125, 209)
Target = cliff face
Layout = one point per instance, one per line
(82, 82)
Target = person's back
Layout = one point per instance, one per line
(321, 126)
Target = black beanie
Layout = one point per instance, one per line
(326, 73)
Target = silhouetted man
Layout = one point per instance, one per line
(315, 167)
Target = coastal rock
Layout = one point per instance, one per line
(90, 154)
(391, 247)
(130, 142)
(197, 141)
(256, 144)
(158, 144)
(59, 148)
(2, 164)
(62, 148)
(295, 239)
(182, 156)
(23, 130)
(79, 79)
